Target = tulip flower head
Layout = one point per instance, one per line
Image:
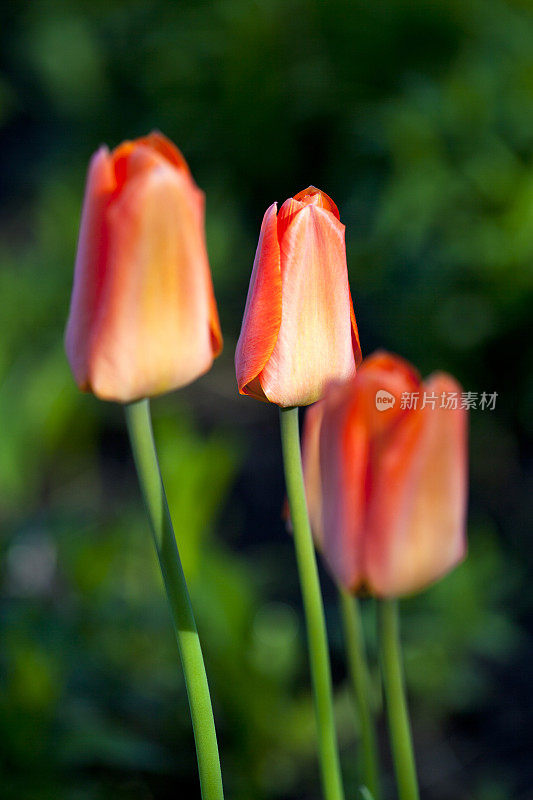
(299, 330)
(143, 318)
(385, 482)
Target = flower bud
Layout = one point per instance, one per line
(299, 330)
(386, 482)
(143, 318)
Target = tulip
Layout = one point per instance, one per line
(386, 484)
(299, 330)
(143, 318)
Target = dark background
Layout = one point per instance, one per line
(417, 118)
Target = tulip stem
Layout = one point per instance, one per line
(313, 607)
(145, 455)
(358, 667)
(398, 716)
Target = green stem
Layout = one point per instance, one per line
(144, 452)
(355, 647)
(393, 680)
(313, 608)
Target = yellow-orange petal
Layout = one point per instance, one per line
(416, 518)
(314, 343)
(153, 330)
(197, 199)
(262, 314)
(89, 272)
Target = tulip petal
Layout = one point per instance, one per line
(157, 141)
(133, 156)
(198, 198)
(314, 343)
(262, 314)
(308, 197)
(416, 520)
(356, 344)
(311, 467)
(344, 452)
(214, 322)
(154, 327)
(384, 372)
(314, 196)
(351, 426)
(90, 266)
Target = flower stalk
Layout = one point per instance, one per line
(313, 607)
(145, 455)
(398, 716)
(360, 678)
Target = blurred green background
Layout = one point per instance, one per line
(417, 118)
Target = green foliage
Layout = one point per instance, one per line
(463, 612)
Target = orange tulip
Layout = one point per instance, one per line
(386, 484)
(299, 330)
(143, 318)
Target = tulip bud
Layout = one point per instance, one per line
(299, 330)
(143, 318)
(386, 483)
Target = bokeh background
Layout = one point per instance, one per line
(416, 116)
